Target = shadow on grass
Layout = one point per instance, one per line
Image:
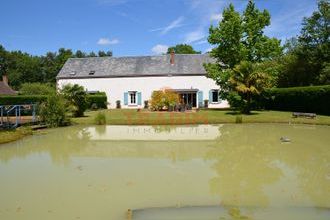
(239, 113)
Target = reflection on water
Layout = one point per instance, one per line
(99, 172)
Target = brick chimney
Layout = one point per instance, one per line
(172, 59)
(5, 79)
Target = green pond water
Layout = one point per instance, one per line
(205, 172)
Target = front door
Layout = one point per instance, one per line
(189, 98)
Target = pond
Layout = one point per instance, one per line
(205, 172)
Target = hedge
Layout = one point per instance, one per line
(97, 101)
(314, 99)
(22, 99)
(94, 101)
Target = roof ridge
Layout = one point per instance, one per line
(133, 56)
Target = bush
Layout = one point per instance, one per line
(100, 118)
(97, 101)
(76, 97)
(53, 111)
(238, 119)
(146, 104)
(22, 99)
(165, 99)
(315, 99)
(37, 89)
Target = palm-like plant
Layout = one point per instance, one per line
(247, 80)
(76, 97)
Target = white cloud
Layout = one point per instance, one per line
(107, 41)
(159, 49)
(194, 36)
(216, 17)
(174, 24)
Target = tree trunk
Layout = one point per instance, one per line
(247, 107)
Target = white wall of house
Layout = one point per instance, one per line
(116, 87)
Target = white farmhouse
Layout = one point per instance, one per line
(133, 79)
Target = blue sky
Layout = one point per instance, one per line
(130, 27)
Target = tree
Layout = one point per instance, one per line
(315, 42)
(25, 68)
(92, 54)
(246, 80)
(182, 49)
(240, 44)
(76, 97)
(80, 54)
(37, 89)
(105, 54)
(53, 111)
(307, 57)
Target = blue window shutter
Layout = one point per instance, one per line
(125, 98)
(139, 98)
(200, 98)
(210, 96)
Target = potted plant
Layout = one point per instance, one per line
(206, 103)
(118, 104)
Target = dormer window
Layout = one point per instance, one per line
(72, 73)
(92, 72)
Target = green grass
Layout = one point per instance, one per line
(134, 117)
(7, 136)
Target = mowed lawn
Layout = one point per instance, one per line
(144, 117)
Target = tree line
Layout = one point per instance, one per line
(23, 68)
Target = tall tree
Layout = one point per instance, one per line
(240, 42)
(307, 57)
(315, 42)
(80, 54)
(102, 53)
(228, 38)
(182, 49)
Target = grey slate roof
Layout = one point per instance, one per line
(134, 66)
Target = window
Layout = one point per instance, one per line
(215, 95)
(132, 98)
(92, 72)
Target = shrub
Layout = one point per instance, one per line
(53, 111)
(163, 99)
(100, 118)
(238, 119)
(157, 100)
(37, 89)
(22, 99)
(97, 101)
(314, 99)
(76, 97)
(94, 101)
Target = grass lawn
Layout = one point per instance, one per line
(13, 135)
(134, 117)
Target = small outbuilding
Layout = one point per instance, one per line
(5, 89)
